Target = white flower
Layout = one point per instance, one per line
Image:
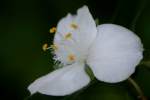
(111, 51)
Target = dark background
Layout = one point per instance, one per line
(24, 28)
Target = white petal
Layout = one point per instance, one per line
(84, 21)
(61, 82)
(82, 36)
(63, 26)
(115, 53)
(87, 27)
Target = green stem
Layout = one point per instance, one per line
(26, 98)
(141, 8)
(146, 63)
(115, 13)
(138, 89)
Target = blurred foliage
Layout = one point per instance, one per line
(25, 26)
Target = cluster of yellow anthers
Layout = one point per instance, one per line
(46, 47)
(53, 46)
(74, 26)
(52, 30)
(71, 57)
(68, 36)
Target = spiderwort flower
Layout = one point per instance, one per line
(111, 51)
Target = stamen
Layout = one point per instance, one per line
(45, 47)
(54, 47)
(71, 57)
(68, 36)
(74, 26)
(52, 30)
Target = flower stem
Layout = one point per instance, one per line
(26, 98)
(146, 63)
(138, 89)
(138, 14)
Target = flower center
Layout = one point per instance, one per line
(68, 49)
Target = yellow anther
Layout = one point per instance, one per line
(54, 47)
(52, 30)
(71, 57)
(45, 46)
(68, 36)
(74, 26)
